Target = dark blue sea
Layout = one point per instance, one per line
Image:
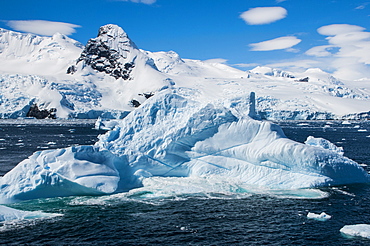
(186, 219)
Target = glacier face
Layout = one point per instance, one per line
(173, 135)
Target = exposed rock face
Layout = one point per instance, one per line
(41, 114)
(135, 103)
(306, 79)
(110, 52)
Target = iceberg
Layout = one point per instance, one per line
(174, 135)
(359, 230)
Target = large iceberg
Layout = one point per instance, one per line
(177, 134)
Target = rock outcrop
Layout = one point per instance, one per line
(41, 113)
(110, 52)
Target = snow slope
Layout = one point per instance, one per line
(107, 78)
(110, 76)
(174, 135)
(31, 54)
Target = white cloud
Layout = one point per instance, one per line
(246, 65)
(292, 50)
(140, 1)
(216, 60)
(263, 15)
(335, 29)
(362, 6)
(276, 44)
(348, 49)
(348, 38)
(42, 27)
(320, 51)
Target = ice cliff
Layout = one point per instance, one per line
(173, 135)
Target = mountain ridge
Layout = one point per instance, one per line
(111, 76)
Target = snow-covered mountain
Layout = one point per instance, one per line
(110, 76)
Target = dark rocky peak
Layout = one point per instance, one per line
(111, 52)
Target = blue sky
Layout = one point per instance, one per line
(288, 34)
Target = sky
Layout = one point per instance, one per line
(292, 35)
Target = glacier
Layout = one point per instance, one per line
(176, 136)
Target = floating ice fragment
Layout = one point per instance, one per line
(8, 214)
(321, 217)
(343, 192)
(346, 122)
(359, 230)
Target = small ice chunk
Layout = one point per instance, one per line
(321, 217)
(356, 126)
(303, 124)
(346, 122)
(359, 230)
(8, 214)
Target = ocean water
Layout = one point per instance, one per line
(175, 211)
